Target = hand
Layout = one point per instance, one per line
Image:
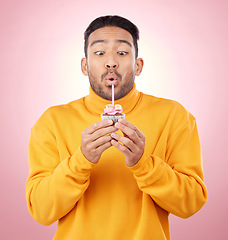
(96, 139)
(133, 142)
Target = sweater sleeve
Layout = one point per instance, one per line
(53, 186)
(176, 182)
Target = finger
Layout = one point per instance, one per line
(96, 153)
(100, 141)
(133, 127)
(102, 132)
(103, 147)
(129, 132)
(98, 125)
(121, 147)
(125, 141)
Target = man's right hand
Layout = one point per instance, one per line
(96, 139)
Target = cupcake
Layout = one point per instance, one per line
(113, 112)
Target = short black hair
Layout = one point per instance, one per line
(116, 21)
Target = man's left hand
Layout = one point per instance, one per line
(133, 142)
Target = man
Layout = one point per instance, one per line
(106, 181)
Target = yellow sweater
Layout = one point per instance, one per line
(108, 200)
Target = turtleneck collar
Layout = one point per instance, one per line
(96, 104)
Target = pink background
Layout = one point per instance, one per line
(184, 45)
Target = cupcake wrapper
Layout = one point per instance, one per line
(112, 117)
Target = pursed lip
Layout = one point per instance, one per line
(109, 83)
(111, 79)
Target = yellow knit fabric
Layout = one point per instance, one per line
(109, 200)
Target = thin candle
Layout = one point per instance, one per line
(112, 95)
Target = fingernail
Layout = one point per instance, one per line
(110, 122)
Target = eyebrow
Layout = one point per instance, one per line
(124, 41)
(101, 41)
(96, 41)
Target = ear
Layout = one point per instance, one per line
(84, 66)
(139, 66)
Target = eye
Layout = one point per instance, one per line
(99, 53)
(122, 53)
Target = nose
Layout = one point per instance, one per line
(111, 66)
(111, 63)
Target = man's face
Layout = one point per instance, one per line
(111, 60)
